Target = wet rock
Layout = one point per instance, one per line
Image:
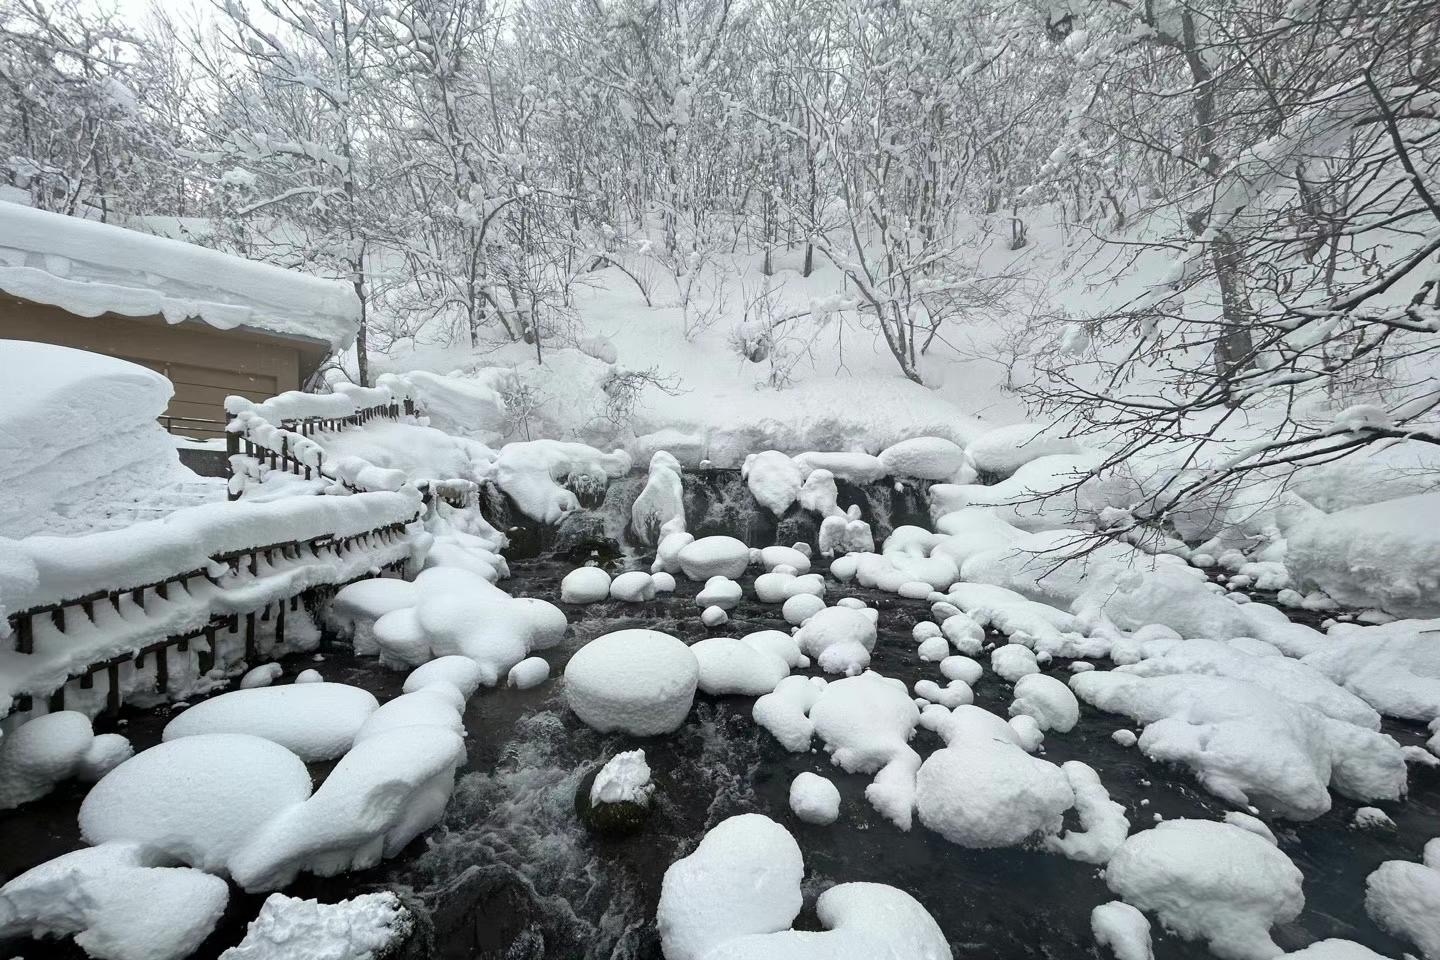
(618, 819)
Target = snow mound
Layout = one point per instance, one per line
(531, 471)
(735, 896)
(1103, 824)
(1048, 700)
(199, 799)
(774, 480)
(814, 799)
(462, 673)
(639, 682)
(1013, 662)
(315, 721)
(121, 901)
(288, 928)
(391, 786)
(528, 673)
(784, 712)
(983, 792)
(743, 878)
(1048, 493)
(1384, 555)
(1249, 746)
(1403, 899)
(41, 753)
(1209, 881)
(661, 505)
(730, 666)
(1394, 667)
(1003, 450)
(839, 639)
(634, 586)
(866, 722)
(927, 458)
(1123, 929)
(719, 592)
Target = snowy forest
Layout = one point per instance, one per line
(720, 479)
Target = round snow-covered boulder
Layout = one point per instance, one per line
(309, 676)
(639, 682)
(777, 556)
(714, 557)
(200, 798)
(811, 583)
(933, 650)
(1209, 881)
(636, 586)
(1048, 700)
(801, 607)
(107, 751)
(926, 458)
(954, 694)
(924, 630)
(730, 666)
(355, 608)
(814, 799)
(585, 585)
(39, 754)
(984, 793)
(719, 592)
(714, 617)
(844, 568)
(530, 672)
(915, 590)
(664, 582)
(1012, 661)
(316, 721)
(961, 668)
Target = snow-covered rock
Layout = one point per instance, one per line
(1403, 898)
(392, 786)
(927, 458)
(839, 639)
(714, 557)
(866, 723)
(1012, 662)
(814, 799)
(355, 608)
(1048, 700)
(1103, 823)
(774, 479)
(171, 797)
(714, 616)
(121, 901)
(982, 792)
(634, 586)
(315, 721)
(730, 666)
(529, 472)
(961, 668)
(1248, 745)
(638, 682)
(784, 712)
(528, 673)
(743, 878)
(287, 928)
(625, 778)
(719, 592)
(585, 585)
(462, 673)
(1123, 929)
(661, 505)
(1394, 667)
(41, 753)
(1209, 881)
(801, 607)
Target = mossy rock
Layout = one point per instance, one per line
(609, 819)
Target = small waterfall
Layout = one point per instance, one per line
(718, 502)
(888, 503)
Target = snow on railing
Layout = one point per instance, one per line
(279, 430)
(110, 601)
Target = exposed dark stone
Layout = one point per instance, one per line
(609, 819)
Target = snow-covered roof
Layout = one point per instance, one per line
(89, 269)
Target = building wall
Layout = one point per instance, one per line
(205, 364)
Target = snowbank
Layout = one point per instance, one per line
(528, 472)
(1394, 667)
(78, 437)
(1003, 450)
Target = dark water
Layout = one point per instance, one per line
(512, 875)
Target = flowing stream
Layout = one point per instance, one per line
(511, 874)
